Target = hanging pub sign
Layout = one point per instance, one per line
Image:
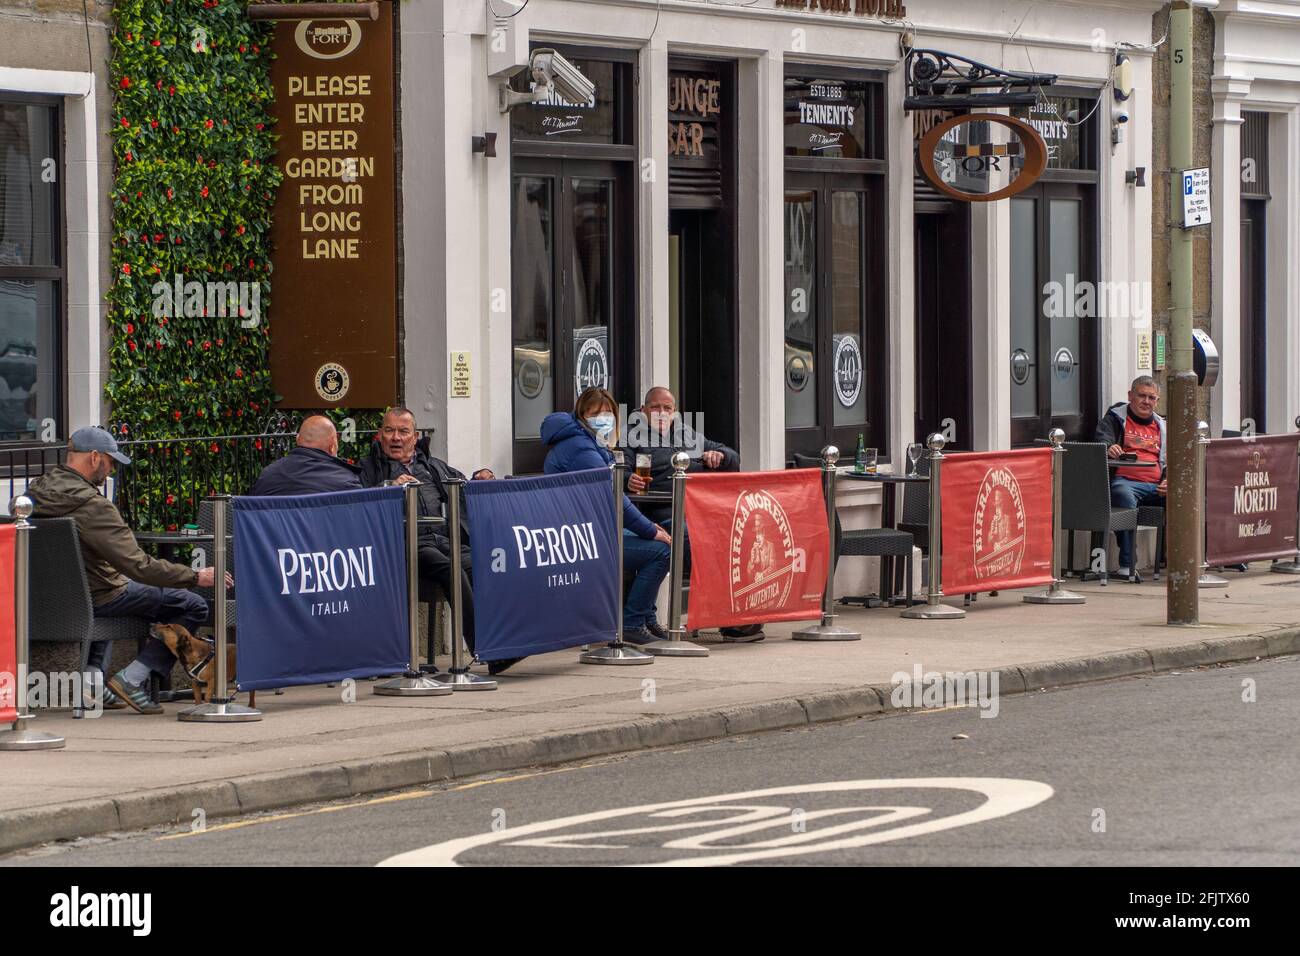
(982, 157)
(826, 118)
(333, 232)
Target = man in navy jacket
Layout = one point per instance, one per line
(312, 467)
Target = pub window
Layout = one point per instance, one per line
(31, 270)
(836, 361)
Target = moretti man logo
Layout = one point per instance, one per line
(334, 572)
(76, 909)
(999, 525)
(327, 39)
(332, 381)
(763, 556)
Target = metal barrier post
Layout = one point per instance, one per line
(1055, 594)
(1206, 580)
(827, 629)
(459, 676)
(1292, 566)
(413, 683)
(932, 609)
(220, 707)
(676, 645)
(22, 737)
(616, 652)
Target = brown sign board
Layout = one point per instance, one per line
(334, 286)
(982, 157)
(1250, 498)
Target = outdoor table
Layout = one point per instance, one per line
(1113, 463)
(888, 519)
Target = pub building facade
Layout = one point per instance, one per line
(738, 212)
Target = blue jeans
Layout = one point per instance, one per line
(648, 560)
(160, 605)
(1127, 493)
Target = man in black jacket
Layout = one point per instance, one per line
(312, 467)
(400, 456)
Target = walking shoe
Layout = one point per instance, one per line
(136, 696)
(109, 701)
(1121, 573)
(639, 637)
(752, 631)
(503, 665)
(655, 628)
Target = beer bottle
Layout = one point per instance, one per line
(860, 456)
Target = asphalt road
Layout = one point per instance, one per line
(1175, 769)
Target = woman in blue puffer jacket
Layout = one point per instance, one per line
(580, 441)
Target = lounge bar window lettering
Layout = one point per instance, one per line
(333, 226)
(825, 118)
(693, 114)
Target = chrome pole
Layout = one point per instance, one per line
(1207, 580)
(21, 736)
(1055, 594)
(933, 609)
(220, 708)
(459, 676)
(676, 645)
(827, 629)
(616, 652)
(413, 683)
(1292, 566)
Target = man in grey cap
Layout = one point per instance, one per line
(123, 580)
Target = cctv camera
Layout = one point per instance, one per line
(1119, 114)
(554, 71)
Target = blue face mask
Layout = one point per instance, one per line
(602, 424)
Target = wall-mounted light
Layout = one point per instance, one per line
(485, 144)
(1136, 177)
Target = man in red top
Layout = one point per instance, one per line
(1134, 428)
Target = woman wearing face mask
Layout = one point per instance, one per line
(582, 441)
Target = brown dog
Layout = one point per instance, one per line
(198, 656)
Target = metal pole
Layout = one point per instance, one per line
(21, 737)
(616, 652)
(1183, 517)
(1056, 594)
(459, 677)
(933, 609)
(676, 645)
(827, 629)
(413, 683)
(219, 708)
(1206, 579)
(1292, 566)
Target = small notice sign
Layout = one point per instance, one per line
(1144, 351)
(1196, 197)
(460, 375)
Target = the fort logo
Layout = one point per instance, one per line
(327, 39)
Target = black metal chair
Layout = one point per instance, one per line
(1085, 501)
(868, 542)
(61, 609)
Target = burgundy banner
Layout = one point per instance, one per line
(8, 641)
(997, 520)
(1250, 498)
(759, 547)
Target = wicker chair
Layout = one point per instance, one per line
(1085, 499)
(61, 610)
(867, 542)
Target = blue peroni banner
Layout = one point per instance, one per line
(321, 587)
(545, 568)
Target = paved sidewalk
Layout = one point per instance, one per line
(123, 770)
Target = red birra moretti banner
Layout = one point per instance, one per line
(8, 641)
(1250, 498)
(997, 520)
(760, 547)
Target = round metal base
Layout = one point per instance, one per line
(464, 680)
(674, 649)
(826, 632)
(622, 654)
(743, 639)
(1211, 581)
(218, 713)
(933, 612)
(1054, 595)
(1286, 567)
(30, 740)
(421, 686)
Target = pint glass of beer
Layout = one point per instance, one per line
(643, 466)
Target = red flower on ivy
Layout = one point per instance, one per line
(126, 268)
(239, 373)
(204, 192)
(239, 230)
(256, 444)
(171, 91)
(213, 447)
(126, 82)
(170, 499)
(130, 329)
(207, 346)
(169, 194)
(125, 121)
(155, 42)
(207, 124)
(130, 343)
(153, 124)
